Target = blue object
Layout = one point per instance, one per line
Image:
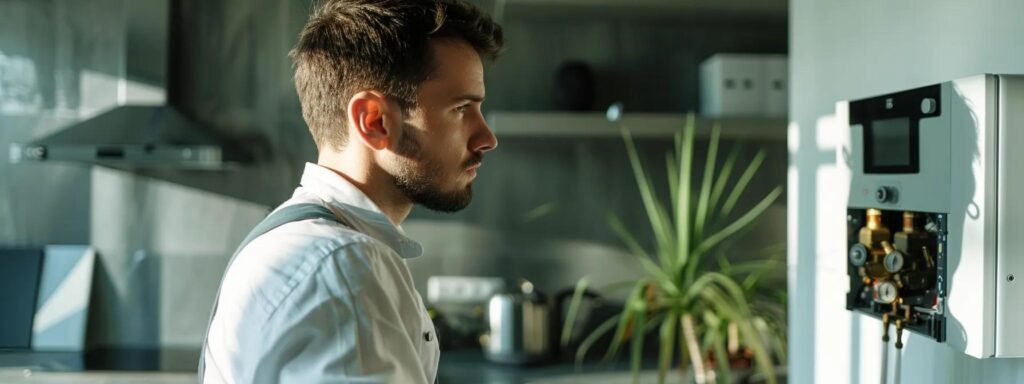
(19, 286)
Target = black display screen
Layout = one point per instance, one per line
(892, 128)
(891, 146)
(890, 143)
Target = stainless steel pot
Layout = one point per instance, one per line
(520, 327)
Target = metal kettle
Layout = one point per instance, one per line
(519, 327)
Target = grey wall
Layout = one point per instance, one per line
(163, 247)
(163, 237)
(39, 204)
(843, 50)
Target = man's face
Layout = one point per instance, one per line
(442, 140)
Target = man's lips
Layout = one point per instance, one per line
(475, 161)
(471, 170)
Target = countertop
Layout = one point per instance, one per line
(470, 366)
(457, 366)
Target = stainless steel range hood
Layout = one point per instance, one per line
(134, 136)
(143, 130)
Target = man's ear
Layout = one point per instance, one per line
(367, 112)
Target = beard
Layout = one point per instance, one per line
(419, 177)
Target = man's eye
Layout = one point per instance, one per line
(461, 108)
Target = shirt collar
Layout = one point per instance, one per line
(357, 209)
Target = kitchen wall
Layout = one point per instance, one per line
(164, 236)
(843, 50)
(39, 204)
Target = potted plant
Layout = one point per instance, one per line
(767, 303)
(694, 306)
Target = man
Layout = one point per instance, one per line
(391, 92)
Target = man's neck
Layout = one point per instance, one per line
(377, 185)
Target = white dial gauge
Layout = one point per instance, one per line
(885, 292)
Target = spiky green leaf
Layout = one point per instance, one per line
(672, 168)
(624, 321)
(574, 308)
(593, 337)
(741, 184)
(723, 178)
(700, 219)
(656, 272)
(636, 348)
(656, 214)
(667, 339)
(740, 223)
(682, 217)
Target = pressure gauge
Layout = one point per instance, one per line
(858, 255)
(893, 261)
(886, 292)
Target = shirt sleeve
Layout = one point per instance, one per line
(357, 320)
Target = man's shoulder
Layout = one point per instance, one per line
(271, 266)
(297, 245)
(312, 236)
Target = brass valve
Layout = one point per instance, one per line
(874, 232)
(870, 238)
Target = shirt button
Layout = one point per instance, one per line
(428, 336)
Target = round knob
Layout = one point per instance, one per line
(929, 105)
(858, 255)
(886, 292)
(885, 194)
(893, 261)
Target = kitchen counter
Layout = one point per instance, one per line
(457, 366)
(470, 366)
(21, 375)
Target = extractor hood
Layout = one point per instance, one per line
(141, 130)
(134, 136)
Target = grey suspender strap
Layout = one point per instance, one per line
(285, 215)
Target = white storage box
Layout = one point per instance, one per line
(776, 85)
(731, 85)
(744, 85)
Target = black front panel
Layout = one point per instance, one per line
(892, 128)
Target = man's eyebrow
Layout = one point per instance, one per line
(469, 97)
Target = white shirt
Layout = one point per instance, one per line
(319, 302)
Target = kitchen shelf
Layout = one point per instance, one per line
(714, 9)
(641, 125)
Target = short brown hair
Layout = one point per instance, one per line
(350, 46)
